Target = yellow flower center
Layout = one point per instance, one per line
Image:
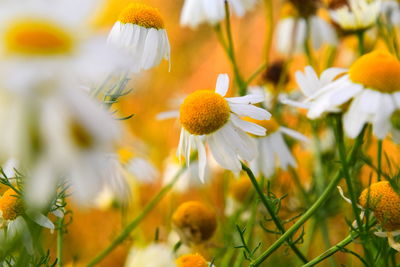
(125, 155)
(37, 38)
(142, 15)
(191, 260)
(204, 112)
(384, 202)
(11, 206)
(377, 70)
(271, 125)
(195, 222)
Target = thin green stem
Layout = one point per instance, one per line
(260, 69)
(136, 221)
(339, 246)
(360, 38)
(338, 129)
(269, 206)
(311, 211)
(230, 50)
(60, 234)
(379, 152)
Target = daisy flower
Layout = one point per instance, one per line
(12, 220)
(371, 85)
(48, 45)
(357, 14)
(273, 151)
(384, 203)
(294, 30)
(208, 117)
(140, 30)
(195, 222)
(196, 12)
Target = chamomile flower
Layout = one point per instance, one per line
(357, 14)
(384, 202)
(273, 152)
(63, 136)
(12, 219)
(371, 85)
(295, 29)
(140, 30)
(193, 260)
(49, 45)
(208, 117)
(195, 222)
(196, 12)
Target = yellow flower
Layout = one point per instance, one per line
(11, 205)
(191, 260)
(196, 223)
(142, 15)
(384, 202)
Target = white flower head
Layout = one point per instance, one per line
(357, 15)
(371, 85)
(196, 12)
(48, 45)
(208, 117)
(140, 32)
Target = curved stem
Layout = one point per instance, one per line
(310, 212)
(269, 206)
(379, 159)
(339, 246)
(136, 221)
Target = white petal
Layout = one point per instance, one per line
(250, 111)
(248, 126)
(202, 159)
(294, 134)
(222, 85)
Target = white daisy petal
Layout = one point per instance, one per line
(250, 111)
(222, 85)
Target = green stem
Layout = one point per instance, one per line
(230, 50)
(338, 129)
(60, 234)
(379, 159)
(310, 212)
(339, 246)
(360, 38)
(136, 221)
(268, 205)
(260, 69)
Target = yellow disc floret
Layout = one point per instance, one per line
(384, 202)
(142, 15)
(11, 205)
(271, 125)
(191, 260)
(204, 112)
(37, 38)
(377, 70)
(195, 222)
